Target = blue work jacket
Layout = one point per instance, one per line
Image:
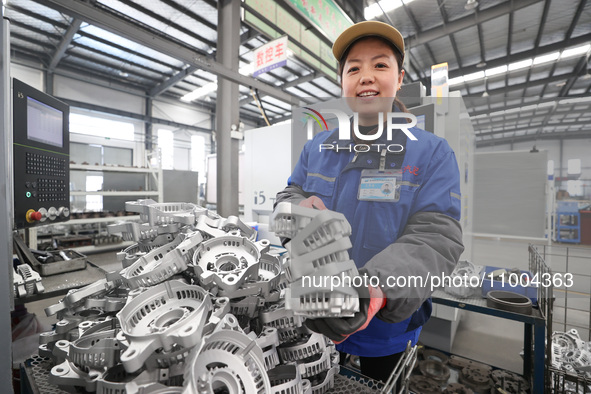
(430, 183)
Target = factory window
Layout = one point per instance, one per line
(165, 143)
(574, 188)
(574, 167)
(198, 154)
(101, 127)
(550, 167)
(94, 183)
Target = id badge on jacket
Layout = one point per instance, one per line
(380, 185)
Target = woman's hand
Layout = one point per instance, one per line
(313, 202)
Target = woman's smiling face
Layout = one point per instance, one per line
(370, 78)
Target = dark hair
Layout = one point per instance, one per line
(397, 54)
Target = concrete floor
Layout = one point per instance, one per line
(479, 337)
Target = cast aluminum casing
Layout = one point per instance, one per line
(161, 263)
(228, 261)
(167, 314)
(229, 358)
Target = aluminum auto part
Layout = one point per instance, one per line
(96, 350)
(457, 388)
(323, 299)
(476, 379)
(110, 302)
(306, 264)
(117, 381)
(315, 364)
(424, 385)
(76, 298)
(166, 314)
(52, 336)
(219, 316)
(217, 227)
(152, 388)
(60, 351)
(267, 283)
(569, 350)
(68, 375)
(88, 327)
(20, 289)
(233, 223)
(31, 279)
(325, 381)
(435, 370)
(304, 348)
(248, 306)
(285, 379)
(71, 320)
(315, 228)
(277, 316)
(227, 359)
(228, 261)
(510, 382)
(161, 263)
(143, 232)
(130, 254)
(292, 334)
(165, 213)
(161, 359)
(509, 301)
(45, 351)
(268, 340)
(326, 227)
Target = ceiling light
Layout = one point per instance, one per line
(474, 76)
(546, 58)
(496, 71)
(200, 92)
(470, 5)
(580, 50)
(560, 84)
(455, 81)
(481, 64)
(521, 64)
(374, 10)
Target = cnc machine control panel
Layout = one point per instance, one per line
(41, 157)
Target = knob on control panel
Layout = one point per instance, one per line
(63, 212)
(52, 213)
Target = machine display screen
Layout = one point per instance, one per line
(44, 123)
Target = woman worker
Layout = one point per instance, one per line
(412, 233)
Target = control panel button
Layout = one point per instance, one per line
(33, 216)
(52, 213)
(63, 212)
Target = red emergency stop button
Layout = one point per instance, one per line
(33, 216)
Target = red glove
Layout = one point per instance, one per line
(371, 300)
(313, 202)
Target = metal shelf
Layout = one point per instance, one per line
(117, 193)
(88, 167)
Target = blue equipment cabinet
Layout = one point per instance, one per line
(568, 222)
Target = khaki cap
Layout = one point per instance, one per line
(367, 29)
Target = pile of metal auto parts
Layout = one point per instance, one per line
(438, 373)
(318, 247)
(573, 355)
(196, 308)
